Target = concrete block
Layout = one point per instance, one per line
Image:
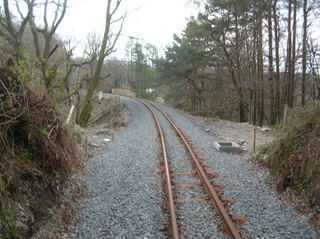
(229, 147)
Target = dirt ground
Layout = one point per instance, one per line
(240, 133)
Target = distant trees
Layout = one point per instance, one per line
(247, 41)
(240, 59)
(310, 9)
(183, 68)
(314, 66)
(228, 25)
(140, 66)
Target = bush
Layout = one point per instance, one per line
(37, 153)
(294, 158)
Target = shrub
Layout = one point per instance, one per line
(294, 158)
(37, 151)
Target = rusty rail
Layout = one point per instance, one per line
(171, 204)
(215, 200)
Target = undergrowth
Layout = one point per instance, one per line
(294, 157)
(37, 154)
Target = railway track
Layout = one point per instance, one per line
(199, 171)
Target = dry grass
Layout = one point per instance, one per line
(37, 151)
(294, 158)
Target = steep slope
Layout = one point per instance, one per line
(37, 154)
(294, 158)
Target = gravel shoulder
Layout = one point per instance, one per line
(125, 196)
(116, 205)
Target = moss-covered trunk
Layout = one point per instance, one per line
(87, 105)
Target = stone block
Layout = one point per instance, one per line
(229, 147)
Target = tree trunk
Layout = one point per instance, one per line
(289, 58)
(277, 61)
(271, 71)
(106, 49)
(260, 67)
(242, 103)
(87, 108)
(254, 70)
(304, 53)
(243, 111)
(293, 64)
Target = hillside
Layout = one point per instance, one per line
(38, 153)
(294, 159)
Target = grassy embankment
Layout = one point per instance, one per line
(294, 157)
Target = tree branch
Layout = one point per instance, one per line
(64, 9)
(10, 28)
(53, 50)
(24, 19)
(45, 20)
(110, 49)
(34, 30)
(116, 8)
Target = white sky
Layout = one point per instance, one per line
(153, 20)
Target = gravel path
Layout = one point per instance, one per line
(118, 206)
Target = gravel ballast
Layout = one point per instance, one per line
(268, 216)
(125, 197)
(197, 219)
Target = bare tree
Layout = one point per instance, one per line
(44, 18)
(13, 31)
(46, 32)
(107, 47)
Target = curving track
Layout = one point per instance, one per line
(125, 196)
(201, 173)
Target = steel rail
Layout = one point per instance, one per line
(172, 210)
(215, 200)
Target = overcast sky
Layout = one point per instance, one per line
(155, 21)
